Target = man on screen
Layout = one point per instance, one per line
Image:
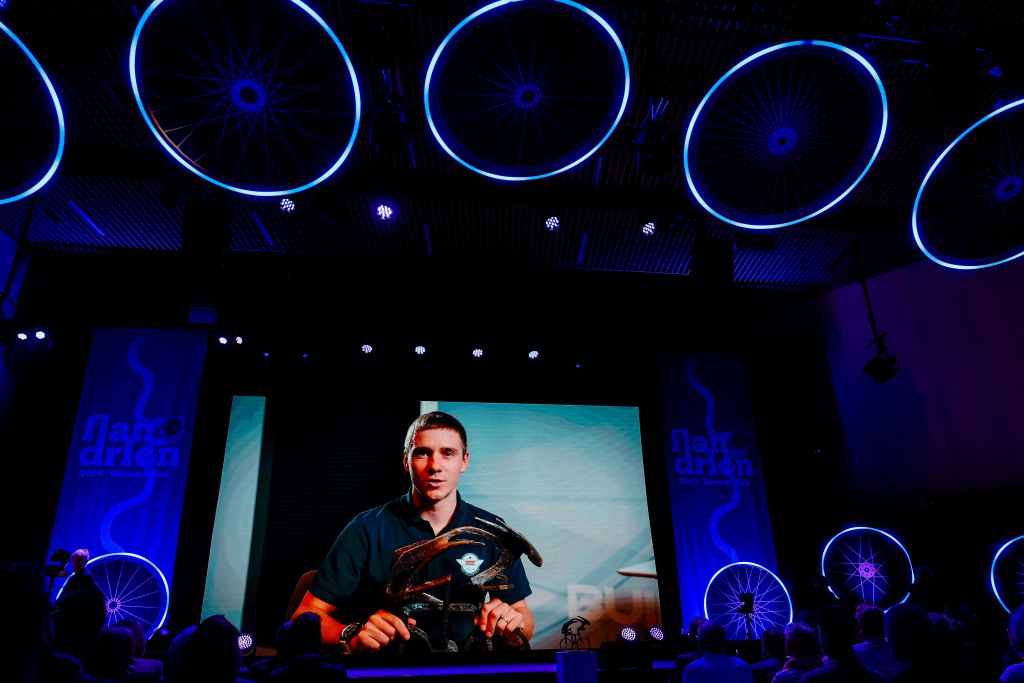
(348, 592)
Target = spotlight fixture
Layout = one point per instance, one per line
(366, 348)
(238, 340)
(266, 354)
(478, 353)
(287, 205)
(656, 633)
(420, 350)
(305, 356)
(384, 211)
(223, 341)
(533, 355)
(246, 644)
(552, 223)
(22, 336)
(40, 335)
(649, 228)
(628, 634)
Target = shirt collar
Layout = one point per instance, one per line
(463, 515)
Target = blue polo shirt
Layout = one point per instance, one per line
(355, 572)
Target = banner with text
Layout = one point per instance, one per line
(719, 509)
(125, 478)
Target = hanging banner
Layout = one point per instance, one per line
(719, 509)
(125, 478)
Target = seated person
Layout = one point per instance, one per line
(348, 592)
(714, 666)
(803, 653)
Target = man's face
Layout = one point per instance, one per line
(436, 462)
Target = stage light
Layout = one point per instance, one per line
(40, 335)
(22, 336)
(478, 353)
(649, 228)
(305, 356)
(223, 341)
(656, 633)
(533, 355)
(246, 644)
(552, 222)
(882, 367)
(287, 205)
(238, 340)
(266, 354)
(420, 350)
(366, 348)
(384, 211)
(628, 634)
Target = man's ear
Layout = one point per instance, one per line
(465, 462)
(405, 461)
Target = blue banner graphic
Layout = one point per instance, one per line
(719, 510)
(125, 478)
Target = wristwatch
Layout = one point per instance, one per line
(350, 631)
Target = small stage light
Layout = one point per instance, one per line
(238, 340)
(366, 348)
(246, 643)
(628, 634)
(552, 223)
(649, 228)
(420, 350)
(385, 212)
(40, 335)
(478, 353)
(656, 633)
(223, 341)
(287, 205)
(533, 355)
(305, 356)
(266, 354)
(22, 336)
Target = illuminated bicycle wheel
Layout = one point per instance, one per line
(31, 122)
(134, 587)
(745, 589)
(257, 97)
(1007, 575)
(785, 134)
(526, 90)
(869, 565)
(969, 209)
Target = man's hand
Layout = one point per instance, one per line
(379, 631)
(500, 618)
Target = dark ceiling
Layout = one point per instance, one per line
(117, 190)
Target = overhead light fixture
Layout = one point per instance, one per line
(552, 223)
(287, 205)
(533, 355)
(384, 211)
(478, 353)
(40, 335)
(223, 341)
(366, 348)
(420, 350)
(628, 634)
(239, 340)
(649, 228)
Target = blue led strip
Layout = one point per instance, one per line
(924, 183)
(132, 68)
(992, 573)
(867, 528)
(489, 8)
(687, 164)
(56, 108)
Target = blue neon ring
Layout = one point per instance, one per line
(752, 564)
(184, 162)
(483, 10)
(920, 193)
(992, 573)
(757, 55)
(156, 570)
(868, 528)
(60, 120)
